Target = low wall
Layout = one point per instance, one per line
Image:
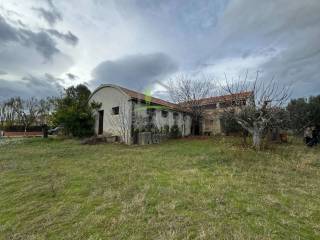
(22, 134)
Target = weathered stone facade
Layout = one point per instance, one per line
(215, 107)
(124, 111)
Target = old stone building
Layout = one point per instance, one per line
(214, 107)
(124, 111)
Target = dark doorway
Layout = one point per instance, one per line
(196, 127)
(100, 129)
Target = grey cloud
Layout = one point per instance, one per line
(21, 23)
(286, 33)
(280, 37)
(190, 17)
(41, 41)
(186, 31)
(18, 60)
(51, 15)
(30, 85)
(298, 67)
(50, 78)
(72, 76)
(268, 24)
(7, 32)
(134, 71)
(69, 37)
(3, 72)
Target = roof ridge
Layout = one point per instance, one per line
(126, 89)
(141, 96)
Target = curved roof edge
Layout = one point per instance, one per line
(139, 96)
(105, 86)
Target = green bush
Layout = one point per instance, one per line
(229, 125)
(175, 132)
(166, 129)
(75, 113)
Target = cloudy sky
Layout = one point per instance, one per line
(46, 45)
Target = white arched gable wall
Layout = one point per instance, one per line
(111, 96)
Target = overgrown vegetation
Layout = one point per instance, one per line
(304, 112)
(74, 112)
(174, 131)
(261, 111)
(266, 110)
(229, 124)
(198, 189)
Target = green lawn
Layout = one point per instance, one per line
(183, 189)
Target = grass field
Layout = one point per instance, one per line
(183, 189)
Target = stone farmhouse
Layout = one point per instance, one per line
(124, 111)
(214, 107)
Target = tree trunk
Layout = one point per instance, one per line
(256, 137)
(256, 133)
(244, 137)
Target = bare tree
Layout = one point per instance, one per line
(188, 92)
(17, 111)
(26, 110)
(2, 114)
(8, 115)
(45, 108)
(262, 110)
(121, 122)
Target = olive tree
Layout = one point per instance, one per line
(262, 111)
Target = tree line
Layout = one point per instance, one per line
(72, 111)
(17, 111)
(268, 108)
(304, 112)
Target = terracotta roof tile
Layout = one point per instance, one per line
(179, 107)
(143, 97)
(223, 98)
